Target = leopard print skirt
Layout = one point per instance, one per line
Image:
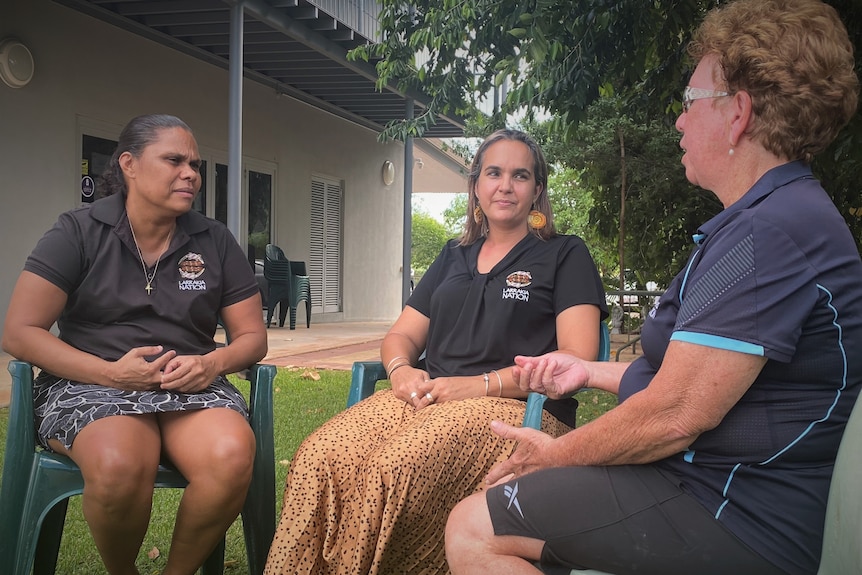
(369, 492)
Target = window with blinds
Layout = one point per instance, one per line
(324, 265)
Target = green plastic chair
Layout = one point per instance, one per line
(841, 551)
(37, 484)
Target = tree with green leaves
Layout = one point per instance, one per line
(428, 238)
(455, 214)
(640, 201)
(558, 58)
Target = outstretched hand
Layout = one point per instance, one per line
(554, 374)
(530, 455)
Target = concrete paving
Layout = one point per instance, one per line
(329, 346)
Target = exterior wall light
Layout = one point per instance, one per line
(16, 63)
(388, 172)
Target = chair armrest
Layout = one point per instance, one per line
(260, 407)
(533, 414)
(19, 455)
(364, 375)
(259, 508)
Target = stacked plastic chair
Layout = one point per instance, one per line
(300, 290)
(288, 285)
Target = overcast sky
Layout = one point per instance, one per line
(434, 204)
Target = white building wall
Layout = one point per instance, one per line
(89, 72)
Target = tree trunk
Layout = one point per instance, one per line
(622, 214)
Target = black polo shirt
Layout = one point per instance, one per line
(480, 322)
(90, 254)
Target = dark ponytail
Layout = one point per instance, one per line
(139, 133)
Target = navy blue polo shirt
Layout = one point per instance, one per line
(776, 274)
(90, 254)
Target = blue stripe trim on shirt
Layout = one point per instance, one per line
(838, 391)
(718, 342)
(685, 277)
(811, 425)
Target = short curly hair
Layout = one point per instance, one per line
(795, 59)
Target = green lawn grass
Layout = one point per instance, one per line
(300, 405)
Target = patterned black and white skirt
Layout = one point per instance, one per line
(63, 407)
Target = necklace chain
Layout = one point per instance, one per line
(151, 277)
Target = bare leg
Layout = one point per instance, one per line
(472, 547)
(118, 457)
(214, 450)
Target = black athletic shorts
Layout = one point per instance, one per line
(631, 519)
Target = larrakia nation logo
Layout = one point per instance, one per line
(519, 279)
(516, 284)
(191, 266)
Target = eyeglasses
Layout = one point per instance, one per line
(690, 94)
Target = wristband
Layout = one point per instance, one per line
(485, 377)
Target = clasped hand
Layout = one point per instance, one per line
(413, 385)
(169, 371)
(554, 374)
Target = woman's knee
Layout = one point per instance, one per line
(234, 453)
(210, 445)
(113, 474)
(117, 456)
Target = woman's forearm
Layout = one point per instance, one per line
(43, 349)
(606, 375)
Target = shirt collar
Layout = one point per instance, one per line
(111, 211)
(768, 183)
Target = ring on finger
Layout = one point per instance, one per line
(429, 397)
(414, 395)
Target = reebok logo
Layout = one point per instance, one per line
(512, 493)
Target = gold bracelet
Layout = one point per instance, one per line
(486, 378)
(389, 375)
(500, 381)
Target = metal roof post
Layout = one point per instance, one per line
(406, 275)
(235, 74)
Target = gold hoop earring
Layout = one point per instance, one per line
(536, 220)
